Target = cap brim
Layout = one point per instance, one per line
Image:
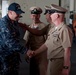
(46, 11)
(19, 12)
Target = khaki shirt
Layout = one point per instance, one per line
(58, 39)
(49, 28)
(35, 41)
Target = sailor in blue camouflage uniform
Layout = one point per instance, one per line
(10, 46)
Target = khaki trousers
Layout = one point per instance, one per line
(55, 66)
(42, 62)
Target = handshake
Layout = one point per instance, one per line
(29, 55)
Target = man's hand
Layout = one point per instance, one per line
(27, 59)
(24, 26)
(30, 53)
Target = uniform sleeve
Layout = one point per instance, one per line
(8, 41)
(66, 38)
(48, 42)
(26, 36)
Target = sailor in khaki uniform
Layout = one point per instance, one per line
(58, 43)
(38, 64)
(47, 15)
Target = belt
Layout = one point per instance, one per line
(56, 58)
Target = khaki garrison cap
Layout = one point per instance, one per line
(36, 10)
(54, 8)
(47, 9)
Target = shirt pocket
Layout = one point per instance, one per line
(56, 39)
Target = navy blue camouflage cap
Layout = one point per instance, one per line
(36, 10)
(16, 8)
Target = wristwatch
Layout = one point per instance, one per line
(65, 67)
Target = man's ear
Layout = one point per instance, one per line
(58, 15)
(50, 15)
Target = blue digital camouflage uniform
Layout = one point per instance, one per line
(9, 47)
